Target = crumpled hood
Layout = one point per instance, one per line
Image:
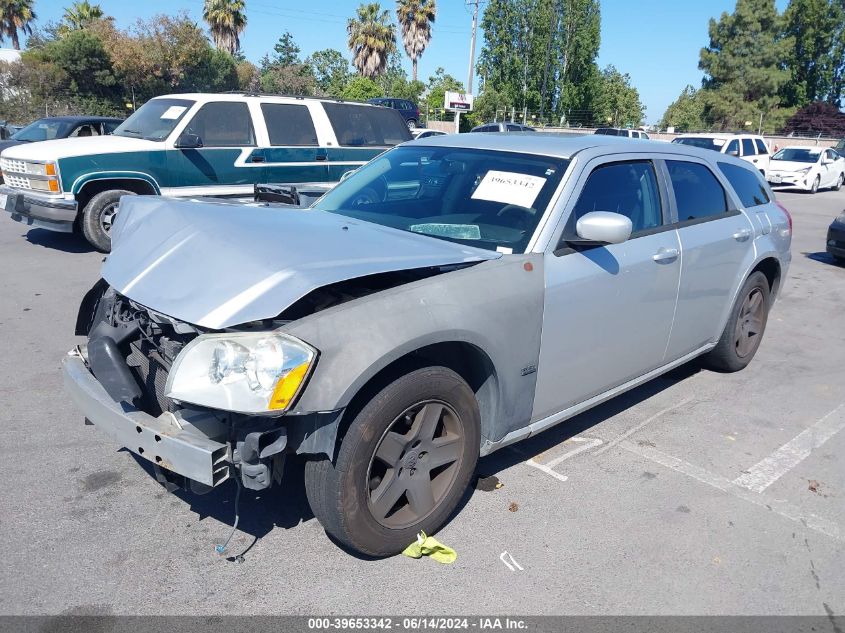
(217, 265)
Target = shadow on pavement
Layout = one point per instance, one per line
(67, 242)
(823, 257)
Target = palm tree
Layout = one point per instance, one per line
(16, 15)
(226, 20)
(80, 14)
(372, 37)
(415, 20)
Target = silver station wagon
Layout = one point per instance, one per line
(454, 295)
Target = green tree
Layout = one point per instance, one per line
(226, 20)
(685, 113)
(541, 53)
(287, 51)
(79, 15)
(744, 64)
(331, 71)
(372, 38)
(618, 102)
(361, 89)
(16, 15)
(815, 27)
(415, 20)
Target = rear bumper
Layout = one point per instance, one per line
(160, 440)
(32, 209)
(836, 240)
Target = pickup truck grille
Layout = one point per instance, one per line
(12, 165)
(18, 182)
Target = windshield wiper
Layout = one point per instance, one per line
(131, 131)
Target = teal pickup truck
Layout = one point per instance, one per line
(192, 145)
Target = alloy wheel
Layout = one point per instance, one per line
(414, 464)
(749, 323)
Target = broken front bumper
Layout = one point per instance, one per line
(45, 212)
(160, 440)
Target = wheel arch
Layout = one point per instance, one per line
(465, 358)
(86, 187)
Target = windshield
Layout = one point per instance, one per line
(482, 198)
(155, 119)
(43, 130)
(704, 142)
(798, 155)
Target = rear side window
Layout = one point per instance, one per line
(223, 124)
(747, 183)
(698, 194)
(514, 128)
(748, 147)
(629, 189)
(365, 126)
(289, 124)
(761, 146)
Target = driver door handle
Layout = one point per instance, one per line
(666, 255)
(742, 234)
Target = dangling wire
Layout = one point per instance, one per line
(222, 548)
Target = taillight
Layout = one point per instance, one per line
(788, 216)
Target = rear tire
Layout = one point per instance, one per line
(402, 466)
(745, 327)
(98, 216)
(412, 124)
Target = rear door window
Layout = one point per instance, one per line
(698, 193)
(627, 188)
(289, 124)
(223, 124)
(748, 184)
(761, 146)
(748, 147)
(366, 126)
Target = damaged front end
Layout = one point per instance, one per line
(119, 381)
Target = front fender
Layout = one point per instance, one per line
(85, 179)
(496, 305)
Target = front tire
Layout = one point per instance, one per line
(816, 183)
(99, 215)
(402, 466)
(412, 124)
(744, 330)
(839, 182)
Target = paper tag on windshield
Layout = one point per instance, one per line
(509, 188)
(173, 112)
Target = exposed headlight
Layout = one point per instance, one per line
(251, 372)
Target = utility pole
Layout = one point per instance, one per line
(470, 72)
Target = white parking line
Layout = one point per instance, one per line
(641, 425)
(546, 470)
(778, 506)
(767, 471)
(512, 559)
(586, 444)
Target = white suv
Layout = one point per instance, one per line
(749, 147)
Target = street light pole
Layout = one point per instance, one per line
(474, 4)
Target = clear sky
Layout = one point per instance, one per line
(656, 41)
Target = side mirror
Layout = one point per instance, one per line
(734, 152)
(603, 227)
(188, 141)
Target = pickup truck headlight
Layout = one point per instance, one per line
(252, 372)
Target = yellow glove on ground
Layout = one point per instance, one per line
(430, 546)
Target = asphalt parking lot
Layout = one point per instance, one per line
(699, 493)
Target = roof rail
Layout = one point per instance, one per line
(258, 93)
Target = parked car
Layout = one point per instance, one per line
(836, 239)
(626, 132)
(453, 296)
(749, 147)
(807, 167)
(423, 133)
(503, 126)
(60, 127)
(188, 145)
(409, 111)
